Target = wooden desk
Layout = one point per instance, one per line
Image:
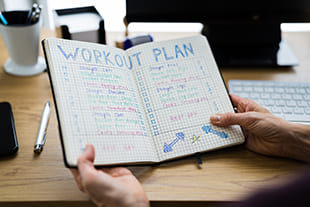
(227, 175)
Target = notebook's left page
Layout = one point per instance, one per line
(96, 102)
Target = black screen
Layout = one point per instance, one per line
(8, 140)
(240, 32)
(218, 11)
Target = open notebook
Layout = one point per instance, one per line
(148, 104)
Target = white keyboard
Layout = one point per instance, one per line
(289, 100)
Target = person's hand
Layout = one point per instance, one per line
(111, 187)
(264, 132)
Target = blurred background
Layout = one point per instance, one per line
(113, 12)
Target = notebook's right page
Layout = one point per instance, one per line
(181, 87)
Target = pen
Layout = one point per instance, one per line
(30, 13)
(3, 19)
(36, 15)
(38, 147)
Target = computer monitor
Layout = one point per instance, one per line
(240, 32)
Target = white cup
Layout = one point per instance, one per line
(22, 43)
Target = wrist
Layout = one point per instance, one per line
(298, 142)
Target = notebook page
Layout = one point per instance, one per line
(97, 102)
(181, 87)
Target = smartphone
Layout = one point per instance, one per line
(8, 139)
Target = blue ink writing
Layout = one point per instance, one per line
(100, 57)
(208, 129)
(187, 49)
(168, 147)
(70, 54)
(85, 56)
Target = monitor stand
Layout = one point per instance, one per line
(254, 44)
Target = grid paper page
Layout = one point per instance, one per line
(181, 87)
(97, 103)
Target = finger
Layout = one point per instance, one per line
(227, 119)
(77, 178)
(85, 162)
(90, 176)
(244, 105)
(236, 99)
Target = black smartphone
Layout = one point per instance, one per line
(8, 139)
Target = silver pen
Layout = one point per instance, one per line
(38, 147)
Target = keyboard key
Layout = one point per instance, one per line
(254, 95)
(291, 103)
(265, 96)
(289, 90)
(269, 102)
(279, 90)
(237, 88)
(287, 110)
(256, 89)
(248, 89)
(299, 111)
(261, 102)
(279, 115)
(297, 97)
(300, 90)
(275, 96)
(244, 95)
(247, 83)
(307, 97)
(269, 90)
(280, 103)
(276, 109)
(286, 96)
(302, 103)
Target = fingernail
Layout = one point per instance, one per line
(215, 118)
(87, 147)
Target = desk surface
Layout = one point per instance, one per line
(226, 175)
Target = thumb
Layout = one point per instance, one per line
(228, 119)
(85, 162)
